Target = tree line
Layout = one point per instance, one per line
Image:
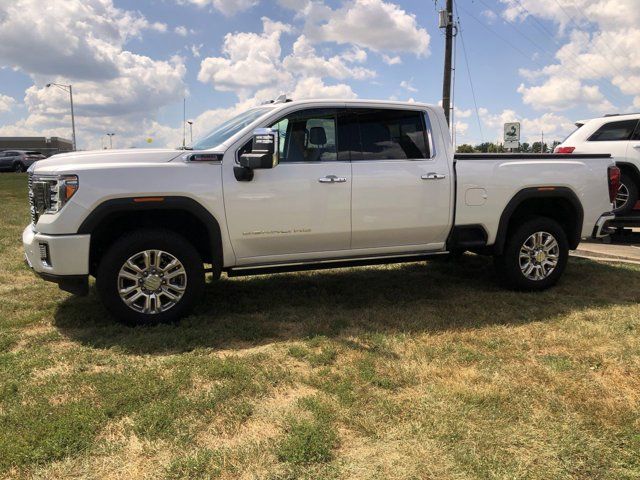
(490, 147)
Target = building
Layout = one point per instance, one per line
(46, 145)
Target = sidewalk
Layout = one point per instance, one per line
(608, 253)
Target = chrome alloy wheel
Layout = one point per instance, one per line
(539, 256)
(622, 197)
(152, 281)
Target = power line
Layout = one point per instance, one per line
(466, 60)
(605, 85)
(601, 34)
(576, 63)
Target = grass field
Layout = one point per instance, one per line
(421, 371)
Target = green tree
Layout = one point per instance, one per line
(465, 148)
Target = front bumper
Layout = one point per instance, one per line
(63, 259)
(602, 228)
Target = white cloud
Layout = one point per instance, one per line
(561, 93)
(226, 7)
(254, 61)
(314, 87)
(250, 61)
(374, 24)
(181, 30)
(407, 85)
(599, 63)
(6, 103)
(306, 62)
(81, 38)
(490, 16)
(394, 60)
(195, 50)
(82, 42)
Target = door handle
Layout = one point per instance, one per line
(433, 176)
(332, 179)
(637, 145)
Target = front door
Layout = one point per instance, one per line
(302, 207)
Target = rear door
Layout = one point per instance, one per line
(401, 185)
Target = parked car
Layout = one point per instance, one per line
(319, 184)
(18, 160)
(620, 136)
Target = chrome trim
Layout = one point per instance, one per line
(601, 229)
(332, 179)
(433, 176)
(337, 260)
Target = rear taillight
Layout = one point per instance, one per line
(614, 183)
(564, 149)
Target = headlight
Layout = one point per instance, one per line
(51, 193)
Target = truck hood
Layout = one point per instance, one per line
(101, 158)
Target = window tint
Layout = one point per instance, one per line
(308, 136)
(614, 131)
(636, 135)
(392, 134)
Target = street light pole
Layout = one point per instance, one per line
(190, 122)
(73, 118)
(68, 88)
(110, 135)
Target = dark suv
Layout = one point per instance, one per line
(18, 160)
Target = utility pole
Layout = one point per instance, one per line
(446, 22)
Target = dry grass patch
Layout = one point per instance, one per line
(394, 372)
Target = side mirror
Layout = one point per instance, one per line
(264, 150)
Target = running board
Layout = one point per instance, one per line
(328, 264)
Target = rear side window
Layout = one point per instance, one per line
(614, 131)
(392, 134)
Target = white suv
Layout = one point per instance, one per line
(618, 135)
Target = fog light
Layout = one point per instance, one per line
(44, 254)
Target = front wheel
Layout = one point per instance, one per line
(149, 277)
(535, 255)
(19, 167)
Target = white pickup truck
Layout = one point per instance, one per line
(301, 185)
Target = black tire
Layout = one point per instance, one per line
(19, 167)
(627, 182)
(508, 264)
(141, 240)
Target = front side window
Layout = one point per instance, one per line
(226, 130)
(614, 131)
(307, 136)
(392, 134)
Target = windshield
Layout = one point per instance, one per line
(227, 129)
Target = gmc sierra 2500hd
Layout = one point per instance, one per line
(297, 185)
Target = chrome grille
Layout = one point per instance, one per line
(39, 198)
(32, 208)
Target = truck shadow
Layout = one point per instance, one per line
(440, 296)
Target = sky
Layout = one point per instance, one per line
(544, 63)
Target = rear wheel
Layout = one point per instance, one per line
(150, 276)
(535, 255)
(627, 195)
